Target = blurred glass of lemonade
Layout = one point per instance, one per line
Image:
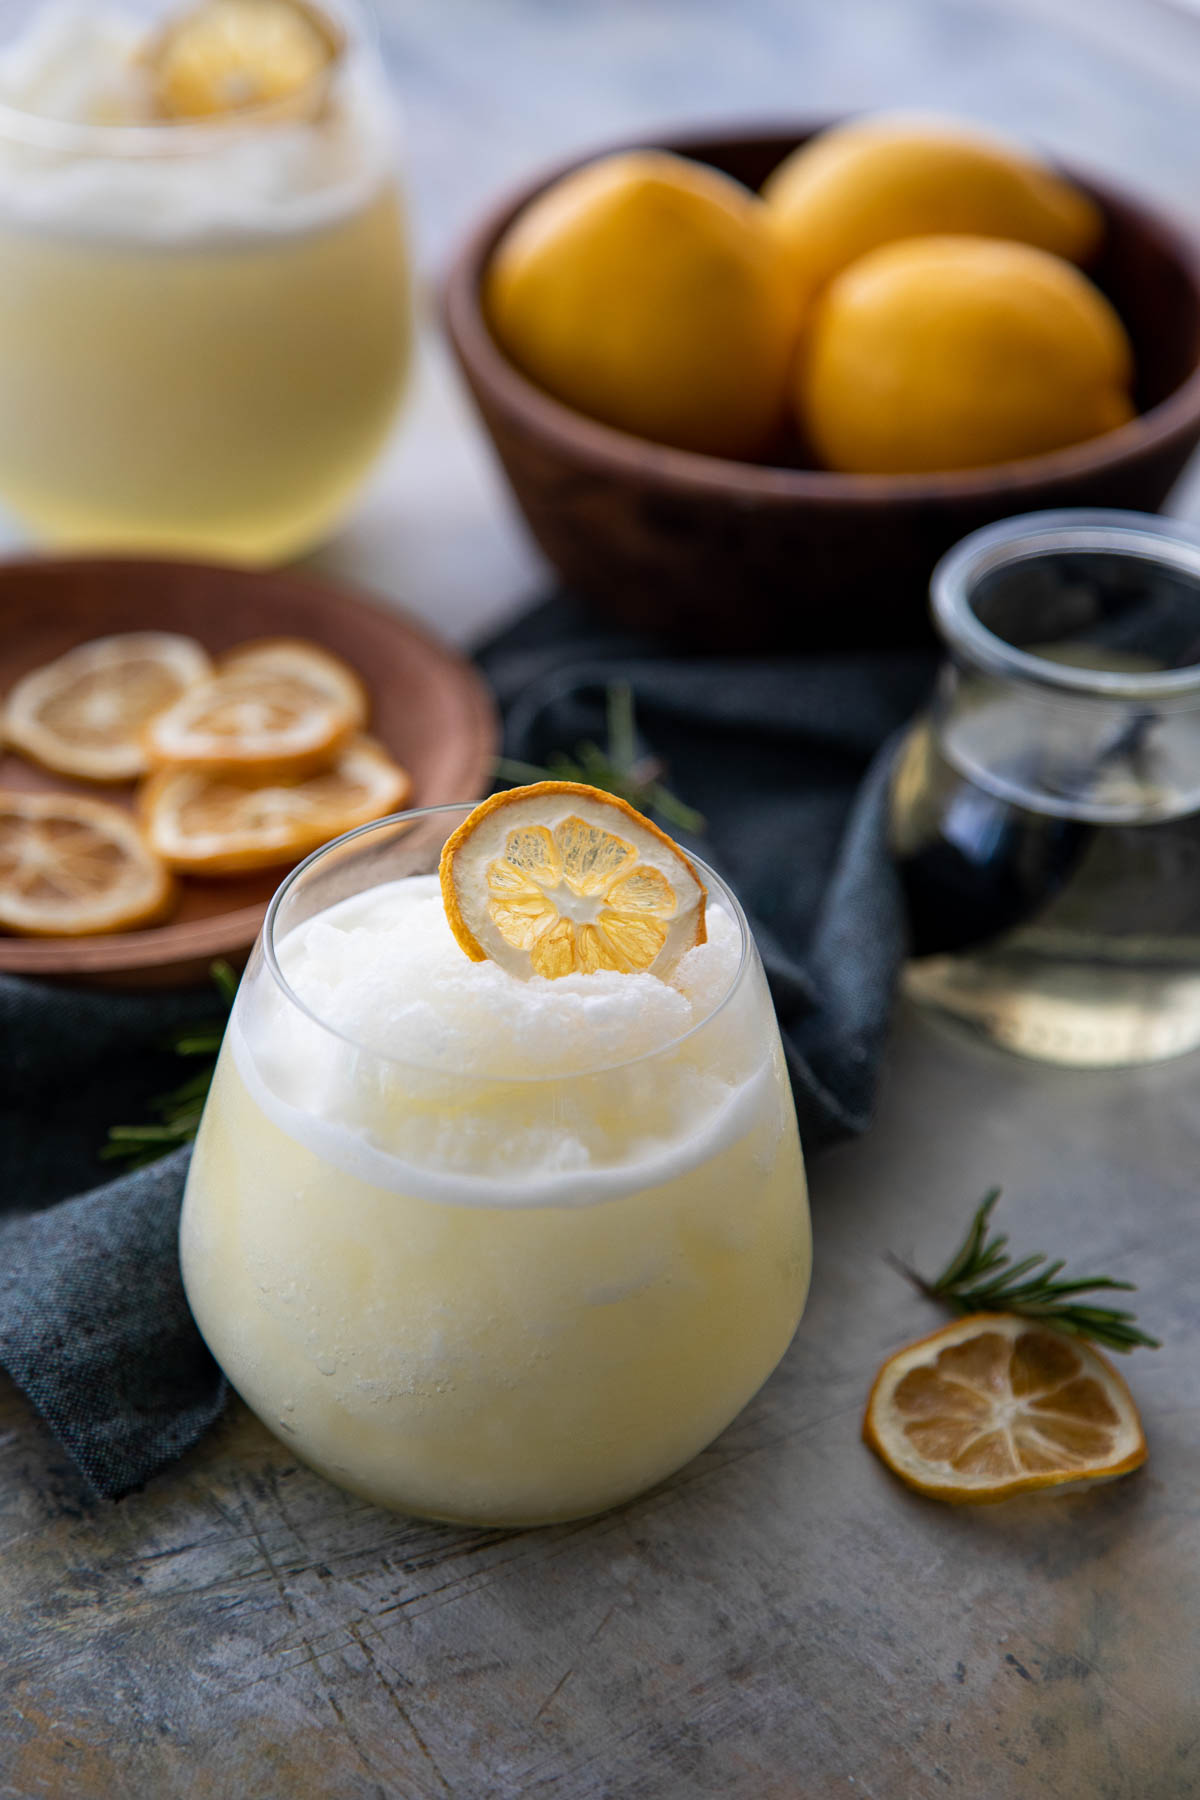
(204, 324)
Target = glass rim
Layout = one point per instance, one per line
(1026, 537)
(270, 957)
(359, 25)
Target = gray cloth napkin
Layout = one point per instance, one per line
(93, 1321)
(786, 758)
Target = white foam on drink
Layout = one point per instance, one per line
(384, 970)
(204, 182)
(453, 1080)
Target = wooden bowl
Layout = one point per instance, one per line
(428, 707)
(739, 556)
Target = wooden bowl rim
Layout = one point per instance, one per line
(607, 449)
(159, 947)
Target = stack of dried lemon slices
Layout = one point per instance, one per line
(246, 764)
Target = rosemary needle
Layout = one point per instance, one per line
(616, 770)
(981, 1277)
(177, 1114)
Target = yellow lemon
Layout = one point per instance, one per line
(649, 292)
(955, 352)
(874, 180)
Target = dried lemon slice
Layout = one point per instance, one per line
(229, 55)
(216, 825)
(281, 706)
(283, 655)
(83, 714)
(71, 867)
(562, 879)
(994, 1405)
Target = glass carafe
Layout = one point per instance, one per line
(1046, 808)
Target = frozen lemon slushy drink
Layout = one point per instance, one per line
(497, 1211)
(204, 316)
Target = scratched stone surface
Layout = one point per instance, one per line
(781, 1621)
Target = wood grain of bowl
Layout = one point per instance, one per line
(428, 707)
(740, 556)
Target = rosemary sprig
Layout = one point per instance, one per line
(617, 770)
(981, 1277)
(178, 1113)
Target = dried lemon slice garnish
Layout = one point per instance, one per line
(71, 867)
(281, 706)
(562, 879)
(227, 56)
(84, 713)
(994, 1405)
(217, 825)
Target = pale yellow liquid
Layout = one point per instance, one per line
(224, 399)
(489, 1363)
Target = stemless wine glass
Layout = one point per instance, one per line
(204, 325)
(1046, 810)
(486, 1297)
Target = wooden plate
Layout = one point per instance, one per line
(428, 706)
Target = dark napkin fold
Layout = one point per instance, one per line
(787, 758)
(93, 1321)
